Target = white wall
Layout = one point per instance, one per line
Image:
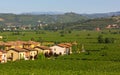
(58, 50)
(4, 57)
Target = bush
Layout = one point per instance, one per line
(105, 40)
(109, 40)
(41, 56)
(101, 39)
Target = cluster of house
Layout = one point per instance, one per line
(112, 26)
(12, 26)
(17, 50)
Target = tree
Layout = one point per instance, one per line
(101, 39)
(109, 40)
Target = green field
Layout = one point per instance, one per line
(99, 58)
(60, 67)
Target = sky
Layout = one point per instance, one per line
(77, 6)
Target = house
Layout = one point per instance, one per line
(16, 54)
(97, 29)
(61, 49)
(67, 46)
(58, 50)
(3, 56)
(32, 53)
(44, 50)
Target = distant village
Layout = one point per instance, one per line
(10, 27)
(29, 50)
(110, 26)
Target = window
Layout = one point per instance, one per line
(54, 49)
(11, 54)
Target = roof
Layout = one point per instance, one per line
(1, 43)
(43, 47)
(29, 49)
(33, 42)
(17, 43)
(66, 45)
(3, 51)
(18, 49)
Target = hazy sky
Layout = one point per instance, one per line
(78, 6)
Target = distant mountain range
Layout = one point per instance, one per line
(94, 15)
(44, 13)
(102, 15)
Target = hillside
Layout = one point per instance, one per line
(26, 19)
(89, 24)
(59, 21)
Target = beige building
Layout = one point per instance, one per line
(42, 49)
(16, 54)
(31, 53)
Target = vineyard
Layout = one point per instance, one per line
(61, 67)
(98, 58)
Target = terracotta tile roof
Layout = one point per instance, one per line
(18, 49)
(3, 51)
(2, 43)
(33, 42)
(43, 47)
(7, 44)
(69, 44)
(16, 42)
(66, 45)
(29, 49)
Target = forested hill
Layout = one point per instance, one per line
(27, 19)
(90, 24)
